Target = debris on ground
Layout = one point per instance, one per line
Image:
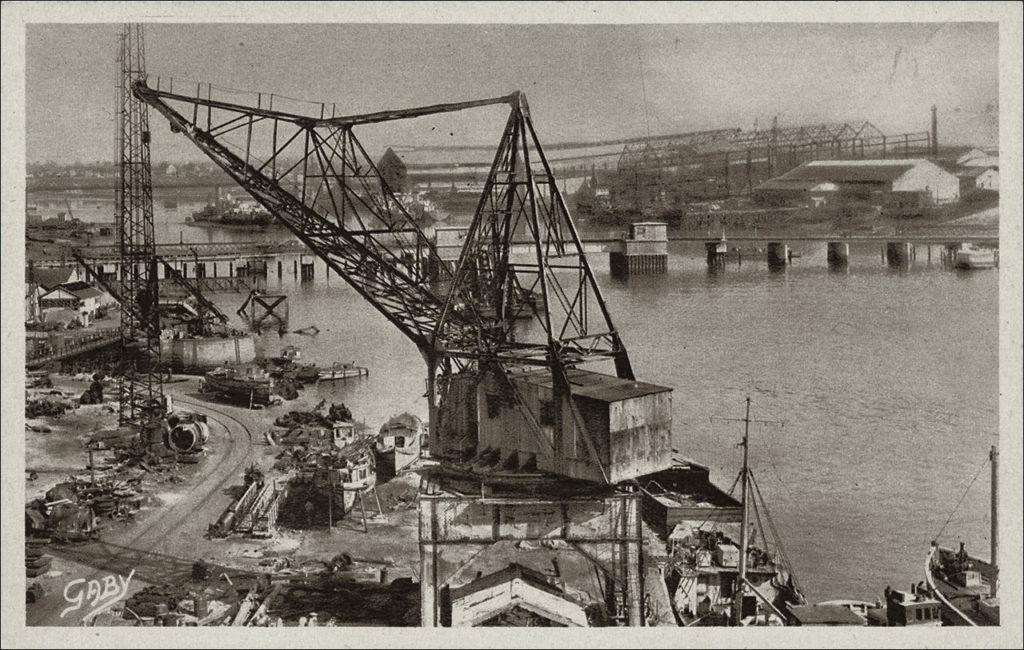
(339, 413)
(36, 563)
(34, 593)
(38, 380)
(294, 419)
(70, 511)
(47, 407)
(323, 594)
(94, 393)
(287, 389)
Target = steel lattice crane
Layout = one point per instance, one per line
(522, 295)
(141, 392)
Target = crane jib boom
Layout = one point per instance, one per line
(361, 258)
(341, 207)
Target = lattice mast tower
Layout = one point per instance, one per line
(141, 392)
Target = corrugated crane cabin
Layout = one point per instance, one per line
(629, 424)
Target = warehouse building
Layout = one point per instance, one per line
(980, 178)
(890, 183)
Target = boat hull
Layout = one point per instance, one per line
(974, 259)
(968, 604)
(242, 389)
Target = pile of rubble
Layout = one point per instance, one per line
(331, 593)
(54, 405)
(314, 417)
(295, 419)
(94, 393)
(70, 510)
(38, 380)
(36, 563)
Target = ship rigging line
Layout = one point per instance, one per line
(771, 525)
(962, 497)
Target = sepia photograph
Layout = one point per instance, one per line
(448, 315)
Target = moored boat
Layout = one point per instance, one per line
(969, 257)
(398, 445)
(227, 212)
(250, 385)
(342, 371)
(967, 585)
(723, 573)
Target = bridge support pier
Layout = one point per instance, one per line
(715, 251)
(838, 255)
(899, 255)
(643, 252)
(777, 254)
(306, 270)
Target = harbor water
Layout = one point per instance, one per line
(885, 384)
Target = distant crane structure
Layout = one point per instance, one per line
(140, 388)
(464, 318)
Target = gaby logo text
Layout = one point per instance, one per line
(97, 594)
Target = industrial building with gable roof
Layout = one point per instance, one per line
(885, 182)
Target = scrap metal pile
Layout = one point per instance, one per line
(332, 593)
(253, 513)
(71, 510)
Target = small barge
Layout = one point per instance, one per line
(250, 385)
(342, 372)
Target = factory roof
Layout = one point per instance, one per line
(972, 172)
(852, 171)
(49, 278)
(86, 292)
(594, 385)
(801, 185)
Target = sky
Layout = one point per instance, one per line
(582, 81)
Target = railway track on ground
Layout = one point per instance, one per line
(143, 551)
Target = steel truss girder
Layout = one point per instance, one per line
(677, 152)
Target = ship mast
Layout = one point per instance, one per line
(993, 457)
(745, 532)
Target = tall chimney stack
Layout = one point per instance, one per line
(935, 133)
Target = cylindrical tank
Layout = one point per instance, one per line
(188, 436)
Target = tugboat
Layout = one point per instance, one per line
(721, 576)
(967, 585)
(398, 445)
